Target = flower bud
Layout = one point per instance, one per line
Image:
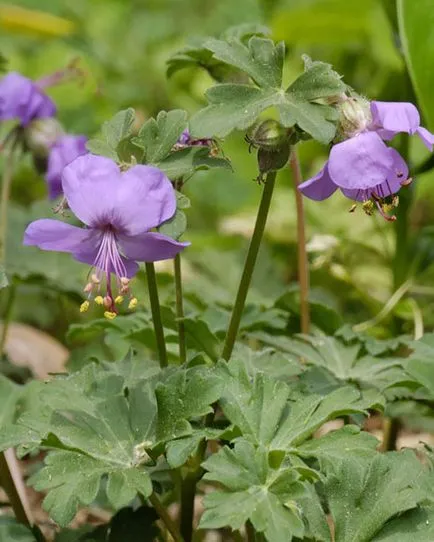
(269, 134)
(41, 134)
(355, 116)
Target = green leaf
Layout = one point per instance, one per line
(186, 394)
(179, 450)
(413, 526)
(183, 163)
(119, 127)
(9, 396)
(254, 405)
(422, 370)
(238, 106)
(339, 444)
(98, 430)
(198, 54)
(364, 494)
(309, 413)
(11, 531)
(157, 137)
(261, 409)
(416, 20)
(343, 361)
(312, 510)
(261, 59)
(253, 491)
(101, 148)
(174, 227)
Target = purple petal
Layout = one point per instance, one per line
(363, 162)
(21, 99)
(49, 234)
(89, 257)
(150, 247)
(90, 184)
(426, 136)
(319, 187)
(66, 149)
(395, 116)
(145, 199)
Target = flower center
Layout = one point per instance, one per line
(108, 261)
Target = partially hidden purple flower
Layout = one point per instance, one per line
(65, 149)
(186, 140)
(23, 99)
(118, 210)
(363, 167)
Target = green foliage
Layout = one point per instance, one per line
(114, 133)
(238, 106)
(158, 136)
(364, 494)
(253, 491)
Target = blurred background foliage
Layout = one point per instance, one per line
(123, 47)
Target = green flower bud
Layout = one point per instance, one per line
(355, 116)
(269, 134)
(41, 134)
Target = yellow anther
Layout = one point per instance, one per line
(94, 278)
(84, 306)
(368, 207)
(119, 300)
(110, 315)
(133, 303)
(88, 287)
(99, 300)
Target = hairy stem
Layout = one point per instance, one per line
(303, 266)
(165, 518)
(391, 427)
(180, 309)
(156, 313)
(249, 265)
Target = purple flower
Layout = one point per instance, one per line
(364, 167)
(21, 98)
(66, 149)
(119, 210)
(185, 140)
(391, 118)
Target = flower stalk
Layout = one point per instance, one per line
(303, 265)
(249, 265)
(156, 313)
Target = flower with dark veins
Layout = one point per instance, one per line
(119, 210)
(363, 167)
(65, 149)
(22, 99)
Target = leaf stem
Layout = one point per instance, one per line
(180, 309)
(165, 518)
(156, 313)
(303, 265)
(249, 265)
